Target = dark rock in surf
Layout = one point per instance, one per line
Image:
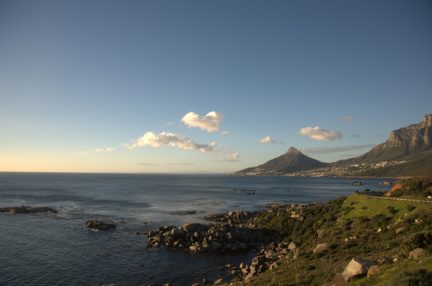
(26, 209)
(99, 225)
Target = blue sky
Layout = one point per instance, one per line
(195, 86)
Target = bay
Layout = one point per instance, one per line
(55, 249)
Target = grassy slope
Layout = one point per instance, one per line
(350, 227)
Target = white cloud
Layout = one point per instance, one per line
(82, 153)
(109, 149)
(169, 139)
(267, 140)
(171, 123)
(210, 122)
(232, 157)
(317, 133)
(225, 133)
(347, 118)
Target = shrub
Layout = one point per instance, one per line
(418, 240)
(392, 210)
(416, 277)
(410, 207)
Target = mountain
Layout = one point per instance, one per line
(407, 152)
(401, 144)
(292, 161)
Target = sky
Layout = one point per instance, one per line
(206, 86)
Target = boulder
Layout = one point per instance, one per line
(417, 254)
(400, 230)
(374, 270)
(321, 247)
(293, 245)
(357, 267)
(258, 260)
(215, 245)
(178, 233)
(99, 225)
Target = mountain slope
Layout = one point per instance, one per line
(407, 152)
(402, 143)
(292, 161)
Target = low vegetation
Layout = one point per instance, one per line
(418, 187)
(384, 231)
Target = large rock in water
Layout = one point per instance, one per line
(357, 267)
(99, 225)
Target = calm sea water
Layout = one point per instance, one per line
(55, 249)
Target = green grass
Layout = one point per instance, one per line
(349, 225)
(363, 206)
(389, 271)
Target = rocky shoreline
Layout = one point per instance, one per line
(232, 233)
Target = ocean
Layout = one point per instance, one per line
(56, 249)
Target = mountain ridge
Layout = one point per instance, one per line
(406, 152)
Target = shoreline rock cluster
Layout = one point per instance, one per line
(233, 232)
(268, 257)
(236, 233)
(27, 209)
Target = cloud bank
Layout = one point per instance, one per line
(266, 140)
(169, 139)
(327, 150)
(210, 122)
(317, 133)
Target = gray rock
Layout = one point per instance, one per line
(321, 247)
(357, 267)
(417, 254)
(374, 270)
(258, 260)
(293, 245)
(99, 225)
(215, 245)
(400, 230)
(273, 266)
(178, 233)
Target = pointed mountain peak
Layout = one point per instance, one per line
(292, 150)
